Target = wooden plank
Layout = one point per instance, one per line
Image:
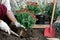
(53, 38)
(40, 26)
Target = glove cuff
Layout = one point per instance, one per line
(17, 24)
(1, 22)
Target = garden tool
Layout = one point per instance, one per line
(14, 33)
(50, 31)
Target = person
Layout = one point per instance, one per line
(7, 16)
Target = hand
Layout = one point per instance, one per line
(19, 25)
(4, 27)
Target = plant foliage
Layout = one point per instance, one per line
(34, 9)
(25, 19)
(49, 9)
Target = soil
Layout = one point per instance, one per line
(32, 34)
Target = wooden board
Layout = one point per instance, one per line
(40, 26)
(53, 38)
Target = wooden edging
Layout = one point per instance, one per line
(53, 38)
(40, 26)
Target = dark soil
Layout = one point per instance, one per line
(33, 34)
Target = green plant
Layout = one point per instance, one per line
(49, 8)
(25, 19)
(34, 9)
(42, 9)
(37, 10)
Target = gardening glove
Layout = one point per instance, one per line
(56, 24)
(4, 27)
(19, 25)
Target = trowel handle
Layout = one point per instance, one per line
(53, 11)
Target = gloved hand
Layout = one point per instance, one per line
(19, 25)
(4, 27)
(56, 24)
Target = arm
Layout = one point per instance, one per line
(9, 12)
(13, 19)
(11, 15)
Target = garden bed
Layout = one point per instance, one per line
(34, 34)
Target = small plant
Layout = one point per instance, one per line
(25, 19)
(34, 9)
(49, 9)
